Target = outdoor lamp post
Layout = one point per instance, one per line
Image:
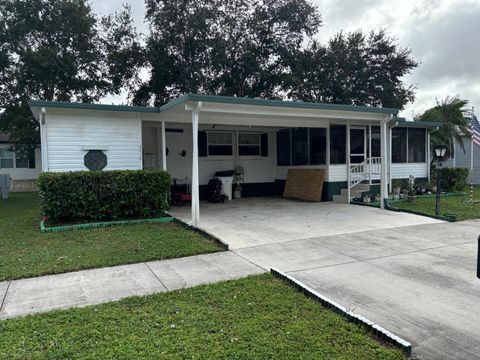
(440, 151)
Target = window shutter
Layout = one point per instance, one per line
(31, 159)
(202, 144)
(264, 144)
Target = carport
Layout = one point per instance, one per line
(251, 222)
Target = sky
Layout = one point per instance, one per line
(444, 36)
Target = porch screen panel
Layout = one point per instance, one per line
(318, 146)
(376, 148)
(399, 145)
(283, 147)
(300, 146)
(416, 145)
(338, 144)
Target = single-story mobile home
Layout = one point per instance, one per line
(196, 136)
(23, 171)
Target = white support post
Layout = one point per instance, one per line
(195, 185)
(389, 158)
(383, 181)
(348, 163)
(164, 148)
(428, 155)
(370, 153)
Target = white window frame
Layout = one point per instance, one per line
(14, 160)
(259, 145)
(225, 144)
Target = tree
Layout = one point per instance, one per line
(222, 47)
(353, 69)
(49, 50)
(452, 124)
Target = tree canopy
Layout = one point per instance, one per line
(449, 113)
(50, 50)
(61, 50)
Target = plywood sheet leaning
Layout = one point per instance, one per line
(304, 184)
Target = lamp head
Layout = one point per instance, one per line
(440, 151)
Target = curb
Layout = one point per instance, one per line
(103, 224)
(376, 329)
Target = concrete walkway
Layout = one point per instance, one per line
(88, 287)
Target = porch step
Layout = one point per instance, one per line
(357, 190)
(353, 192)
(363, 187)
(340, 199)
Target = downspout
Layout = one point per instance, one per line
(43, 139)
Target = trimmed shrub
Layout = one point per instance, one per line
(452, 179)
(103, 195)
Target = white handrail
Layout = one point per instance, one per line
(365, 170)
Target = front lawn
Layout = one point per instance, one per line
(258, 317)
(25, 252)
(448, 204)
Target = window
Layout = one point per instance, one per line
(10, 160)
(338, 144)
(318, 146)
(248, 144)
(283, 147)
(399, 145)
(220, 144)
(300, 146)
(6, 159)
(416, 145)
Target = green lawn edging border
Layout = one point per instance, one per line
(389, 205)
(375, 329)
(104, 224)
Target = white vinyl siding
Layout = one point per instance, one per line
(71, 135)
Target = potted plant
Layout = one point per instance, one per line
(366, 198)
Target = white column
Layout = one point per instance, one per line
(454, 154)
(195, 185)
(348, 162)
(164, 148)
(428, 155)
(383, 181)
(370, 154)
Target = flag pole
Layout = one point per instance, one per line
(471, 157)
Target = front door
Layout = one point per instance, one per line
(358, 149)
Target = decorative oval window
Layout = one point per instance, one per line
(95, 160)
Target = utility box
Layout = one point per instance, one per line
(4, 186)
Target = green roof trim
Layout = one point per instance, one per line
(213, 99)
(418, 124)
(287, 103)
(88, 106)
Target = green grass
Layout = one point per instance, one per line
(448, 204)
(252, 318)
(25, 252)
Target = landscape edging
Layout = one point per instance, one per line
(376, 329)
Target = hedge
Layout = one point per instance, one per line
(103, 195)
(452, 179)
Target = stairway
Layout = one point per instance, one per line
(354, 192)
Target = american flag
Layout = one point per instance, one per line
(475, 131)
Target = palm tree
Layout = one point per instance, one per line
(452, 124)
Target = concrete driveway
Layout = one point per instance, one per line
(259, 221)
(412, 275)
